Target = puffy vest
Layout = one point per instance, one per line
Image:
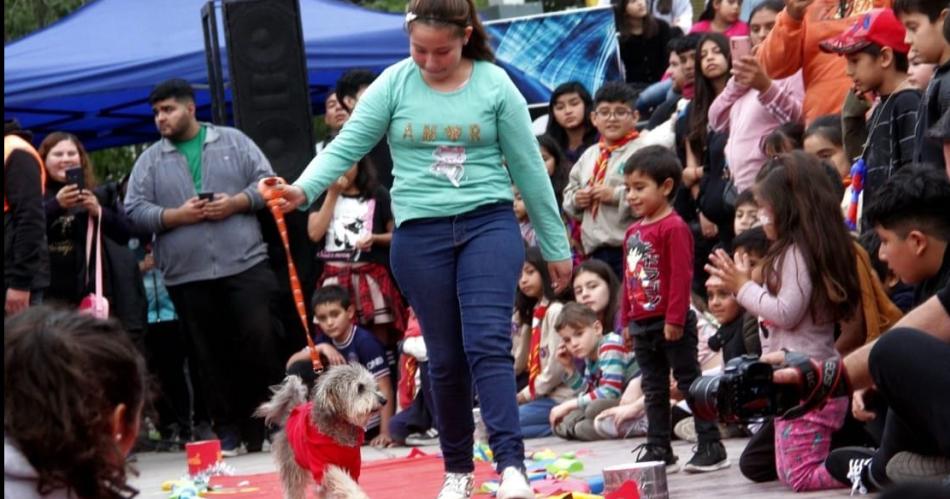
(12, 143)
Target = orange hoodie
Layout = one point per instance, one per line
(793, 45)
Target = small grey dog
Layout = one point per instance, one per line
(322, 437)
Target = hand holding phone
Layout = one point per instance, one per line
(740, 46)
(75, 176)
(206, 196)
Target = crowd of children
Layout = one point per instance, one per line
(725, 214)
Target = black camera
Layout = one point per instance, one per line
(744, 392)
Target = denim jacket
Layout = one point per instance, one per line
(230, 163)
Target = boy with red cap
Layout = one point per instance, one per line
(877, 64)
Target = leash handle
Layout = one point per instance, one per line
(270, 189)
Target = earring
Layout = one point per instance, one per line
(118, 437)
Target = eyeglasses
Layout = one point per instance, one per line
(619, 113)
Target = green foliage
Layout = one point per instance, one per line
(112, 164)
(21, 17)
(400, 5)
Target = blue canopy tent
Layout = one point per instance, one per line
(90, 73)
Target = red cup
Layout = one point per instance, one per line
(202, 455)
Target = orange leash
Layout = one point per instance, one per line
(268, 188)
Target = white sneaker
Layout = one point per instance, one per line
(514, 485)
(457, 486)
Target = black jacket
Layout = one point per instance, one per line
(25, 256)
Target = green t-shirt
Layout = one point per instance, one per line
(191, 149)
(448, 149)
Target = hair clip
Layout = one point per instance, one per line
(410, 16)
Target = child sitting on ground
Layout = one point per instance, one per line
(343, 341)
(414, 423)
(537, 309)
(658, 252)
(608, 368)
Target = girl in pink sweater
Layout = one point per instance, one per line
(752, 104)
(810, 283)
(721, 16)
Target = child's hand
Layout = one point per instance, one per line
(365, 243)
(333, 356)
(382, 440)
(749, 72)
(603, 193)
(565, 358)
(583, 198)
(672, 333)
(559, 412)
(859, 407)
(734, 274)
(622, 413)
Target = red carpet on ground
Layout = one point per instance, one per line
(416, 476)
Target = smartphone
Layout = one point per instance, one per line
(75, 176)
(740, 47)
(207, 196)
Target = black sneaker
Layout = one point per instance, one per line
(654, 452)
(852, 466)
(708, 456)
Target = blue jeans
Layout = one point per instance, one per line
(459, 274)
(534, 418)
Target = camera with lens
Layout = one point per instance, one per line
(744, 392)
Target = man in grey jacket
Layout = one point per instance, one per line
(196, 190)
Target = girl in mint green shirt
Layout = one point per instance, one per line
(454, 121)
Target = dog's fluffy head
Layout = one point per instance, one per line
(348, 393)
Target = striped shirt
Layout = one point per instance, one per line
(605, 377)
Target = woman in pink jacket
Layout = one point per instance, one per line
(752, 104)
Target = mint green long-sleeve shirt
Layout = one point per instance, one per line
(449, 149)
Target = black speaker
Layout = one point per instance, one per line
(271, 97)
(271, 104)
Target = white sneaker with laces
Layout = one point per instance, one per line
(514, 485)
(457, 486)
(855, 467)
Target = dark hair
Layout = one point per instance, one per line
(64, 374)
(650, 24)
(328, 295)
(555, 130)
(746, 197)
(662, 6)
(657, 162)
(350, 84)
(914, 198)
(705, 94)
(772, 5)
(752, 241)
(602, 270)
(946, 30)
(85, 162)
(562, 167)
(901, 63)
(575, 315)
(366, 182)
(709, 11)
(872, 244)
(930, 8)
(523, 303)
(457, 14)
(827, 126)
(807, 216)
(786, 138)
(683, 44)
(616, 91)
(176, 88)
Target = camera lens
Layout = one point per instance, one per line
(705, 391)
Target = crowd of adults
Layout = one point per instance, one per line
(804, 146)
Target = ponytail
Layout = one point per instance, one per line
(457, 14)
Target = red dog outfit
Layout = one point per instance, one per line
(314, 450)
